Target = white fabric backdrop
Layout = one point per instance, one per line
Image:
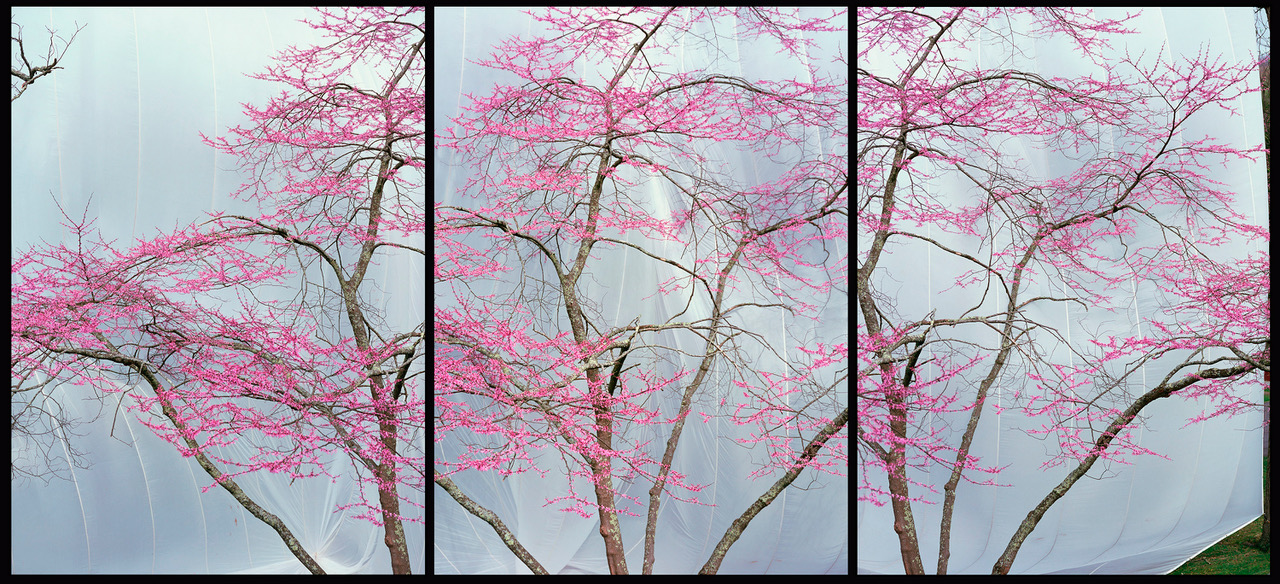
(1145, 518)
(804, 531)
(121, 121)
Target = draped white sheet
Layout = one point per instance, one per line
(1145, 518)
(121, 122)
(803, 531)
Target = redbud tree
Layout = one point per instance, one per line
(264, 328)
(607, 149)
(1131, 198)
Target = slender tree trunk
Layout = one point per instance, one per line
(610, 529)
(904, 523)
(1003, 565)
(393, 529)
